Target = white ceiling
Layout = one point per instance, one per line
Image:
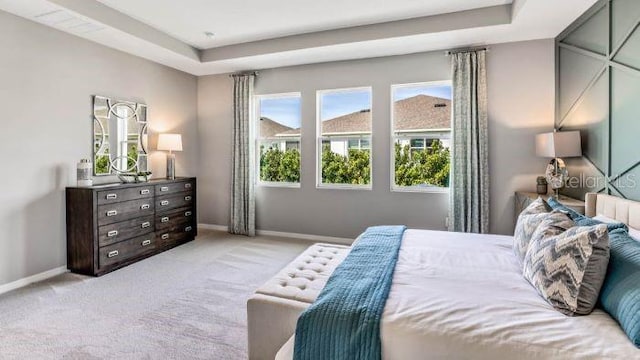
(239, 21)
(258, 34)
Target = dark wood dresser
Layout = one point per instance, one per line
(112, 226)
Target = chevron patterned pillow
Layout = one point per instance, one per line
(568, 269)
(528, 221)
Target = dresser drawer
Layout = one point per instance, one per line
(120, 195)
(127, 249)
(176, 236)
(170, 219)
(113, 233)
(112, 213)
(172, 188)
(164, 203)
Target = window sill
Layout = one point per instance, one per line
(272, 184)
(344, 187)
(429, 190)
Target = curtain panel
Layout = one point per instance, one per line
(242, 213)
(469, 188)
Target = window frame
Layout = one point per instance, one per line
(393, 138)
(320, 138)
(256, 139)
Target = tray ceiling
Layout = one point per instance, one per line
(255, 34)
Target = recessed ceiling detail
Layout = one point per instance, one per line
(257, 34)
(252, 20)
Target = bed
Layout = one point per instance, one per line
(463, 296)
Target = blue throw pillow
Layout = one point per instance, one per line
(580, 219)
(620, 293)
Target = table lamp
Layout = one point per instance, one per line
(170, 143)
(556, 145)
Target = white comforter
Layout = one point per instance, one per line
(461, 296)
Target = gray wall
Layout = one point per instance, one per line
(46, 81)
(521, 104)
(598, 86)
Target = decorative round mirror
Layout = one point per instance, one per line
(120, 136)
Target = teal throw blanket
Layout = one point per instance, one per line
(344, 321)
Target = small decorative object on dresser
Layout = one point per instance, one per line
(111, 226)
(170, 143)
(523, 199)
(83, 173)
(541, 185)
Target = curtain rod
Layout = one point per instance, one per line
(457, 51)
(254, 73)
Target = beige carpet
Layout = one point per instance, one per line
(187, 303)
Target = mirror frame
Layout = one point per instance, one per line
(138, 112)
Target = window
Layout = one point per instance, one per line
(278, 139)
(344, 138)
(421, 136)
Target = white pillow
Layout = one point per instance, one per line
(634, 233)
(604, 219)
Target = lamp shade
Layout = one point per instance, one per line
(170, 142)
(559, 144)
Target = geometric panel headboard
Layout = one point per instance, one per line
(598, 93)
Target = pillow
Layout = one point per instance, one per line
(556, 205)
(528, 221)
(554, 223)
(580, 219)
(568, 269)
(635, 234)
(621, 289)
(604, 219)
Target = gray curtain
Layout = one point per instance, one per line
(242, 217)
(469, 187)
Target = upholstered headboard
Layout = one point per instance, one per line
(623, 210)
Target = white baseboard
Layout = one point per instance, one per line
(307, 237)
(32, 279)
(213, 227)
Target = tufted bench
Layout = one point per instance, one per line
(272, 312)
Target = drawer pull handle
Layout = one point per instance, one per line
(187, 198)
(112, 213)
(146, 242)
(164, 219)
(112, 233)
(188, 228)
(165, 236)
(113, 253)
(164, 188)
(112, 196)
(187, 213)
(145, 207)
(164, 202)
(187, 186)
(145, 224)
(145, 192)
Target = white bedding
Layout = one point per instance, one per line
(462, 296)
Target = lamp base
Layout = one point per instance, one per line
(556, 175)
(171, 166)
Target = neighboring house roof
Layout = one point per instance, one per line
(414, 114)
(354, 123)
(422, 112)
(269, 128)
